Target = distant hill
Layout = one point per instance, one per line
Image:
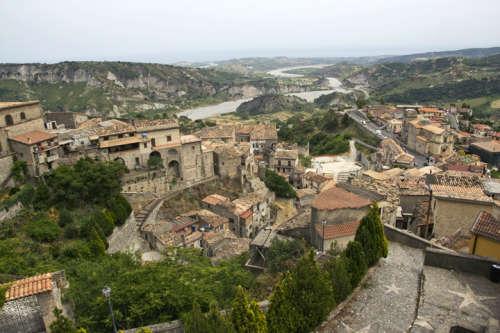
(273, 103)
(121, 88)
(337, 98)
(465, 53)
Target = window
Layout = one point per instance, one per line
(153, 142)
(279, 162)
(137, 161)
(169, 138)
(120, 136)
(192, 147)
(23, 116)
(8, 120)
(145, 145)
(289, 163)
(106, 138)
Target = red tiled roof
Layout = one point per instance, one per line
(215, 199)
(34, 137)
(337, 230)
(486, 225)
(31, 286)
(246, 214)
(338, 198)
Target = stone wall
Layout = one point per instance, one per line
(404, 237)
(459, 262)
(10, 212)
(338, 215)
(6, 163)
(170, 327)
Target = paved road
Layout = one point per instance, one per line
(361, 119)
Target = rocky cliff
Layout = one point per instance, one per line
(118, 88)
(274, 103)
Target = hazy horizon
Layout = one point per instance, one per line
(194, 30)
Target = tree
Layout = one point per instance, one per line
(195, 321)
(283, 254)
(279, 185)
(65, 218)
(339, 276)
(3, 291)
(282, 317)
(307, 292)
(155, 162)
(370, 235)
(216, 322)
(43, 230)
(19, 171)
(356, 261)
(63, 324)
(246, 316)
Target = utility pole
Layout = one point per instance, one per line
(106, 291)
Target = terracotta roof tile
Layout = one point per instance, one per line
(338, 198)
(215, 199)
(486, 225)
(33, 137)
(9, 105)
(31, 286)
(337, 230)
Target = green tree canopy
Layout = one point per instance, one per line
(246, 315)
(279, 185)
(308, 292)
(339, 276)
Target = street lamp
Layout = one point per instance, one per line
(323, 236)
(106, 291)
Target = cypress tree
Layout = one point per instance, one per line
(370, 235)
(246, 317)
(356, 260)
(306, 294)
(195, 321)
(340, 278)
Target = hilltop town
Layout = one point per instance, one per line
(234, 189)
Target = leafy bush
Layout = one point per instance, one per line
(283, 254)
(43, 230)
(279, 185)
(246, 315)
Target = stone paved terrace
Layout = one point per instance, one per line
(402, 292)
(387, 299)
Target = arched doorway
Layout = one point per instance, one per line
(8, 120)
(121, 161)
(173, 171)
(155, 161)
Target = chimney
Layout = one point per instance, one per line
(29, 139)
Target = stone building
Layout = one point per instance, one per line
(488, 151)
(30, 303)
(315, 181)
(143, 146)
(247, 215)
(429, 138)
(262, 138)
(284, 161)
(39, 149)
(335, 217)
(392, 155)
(16, 118)
(66, 119)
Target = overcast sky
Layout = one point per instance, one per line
(174, 30)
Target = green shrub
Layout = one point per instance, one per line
(43, 230)
(279, 185)
(283, 254)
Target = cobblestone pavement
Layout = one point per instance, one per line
(451, 298)
(387, 300)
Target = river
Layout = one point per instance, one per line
(231, 106)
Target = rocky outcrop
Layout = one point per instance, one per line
(273, 103)
(104, 87)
